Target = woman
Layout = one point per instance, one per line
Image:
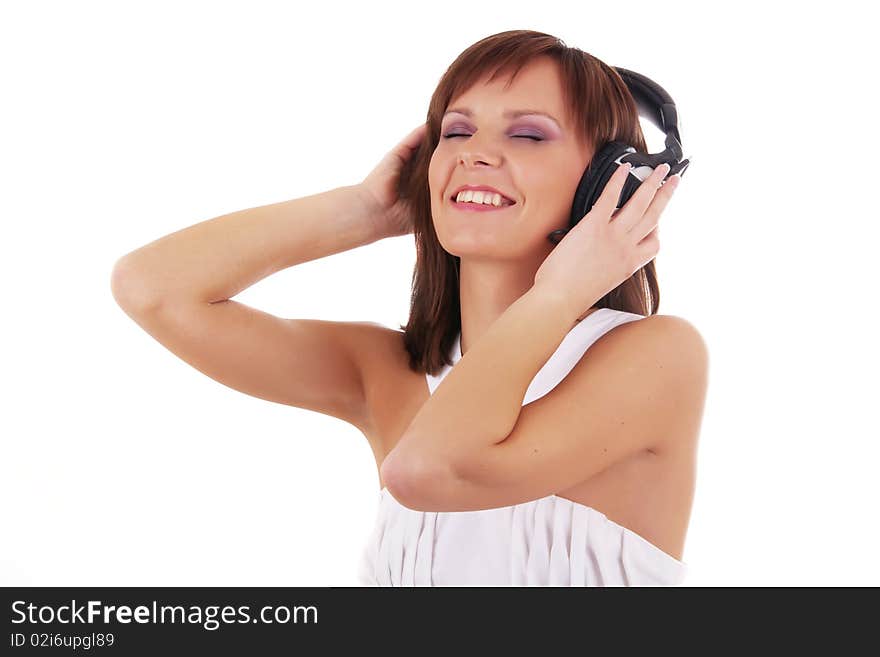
(536, 421)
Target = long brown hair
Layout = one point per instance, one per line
(601, 108)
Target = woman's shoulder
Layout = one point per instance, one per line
(675, 327)
(380, 350)
(672, 336)
(660, 334)
(668, 325)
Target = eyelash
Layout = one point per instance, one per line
(457, 134)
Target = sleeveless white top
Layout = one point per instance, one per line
(551, 541)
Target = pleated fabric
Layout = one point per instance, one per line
(552, 541)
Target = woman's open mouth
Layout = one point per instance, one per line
(470, 206)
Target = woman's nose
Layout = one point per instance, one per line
(470, 159)
(478, 148)
(473, 154)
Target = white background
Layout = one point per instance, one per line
(122, 122)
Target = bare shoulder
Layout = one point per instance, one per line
(379, 350)
(678, 345)
(382, 349)
(667, 353)
(668, 335)
(680, 334)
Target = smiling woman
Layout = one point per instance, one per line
(615, 414)
(491, 118)
(485, 129)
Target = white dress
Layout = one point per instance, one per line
(551, 541)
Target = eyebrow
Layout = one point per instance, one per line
(509, 114)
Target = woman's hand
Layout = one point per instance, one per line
(391, 215)
(607, 245)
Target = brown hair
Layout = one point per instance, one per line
(601, 108)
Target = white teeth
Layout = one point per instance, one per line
(486, 198)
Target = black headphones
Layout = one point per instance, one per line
(654, 103)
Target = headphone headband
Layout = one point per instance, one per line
(652, 101)
(658, 107)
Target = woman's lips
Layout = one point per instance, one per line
(479, 207)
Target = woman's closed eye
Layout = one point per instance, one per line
(459, 134)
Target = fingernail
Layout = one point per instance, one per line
(673, 182)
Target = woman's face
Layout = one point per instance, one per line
(504, 153)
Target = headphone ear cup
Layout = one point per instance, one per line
(598, 173)
(593, 181)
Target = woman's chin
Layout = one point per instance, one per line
(467, 241)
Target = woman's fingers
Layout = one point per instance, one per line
(642, 211)
(607, 202)
(645, 228)
(635, 208)
(646, 191)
